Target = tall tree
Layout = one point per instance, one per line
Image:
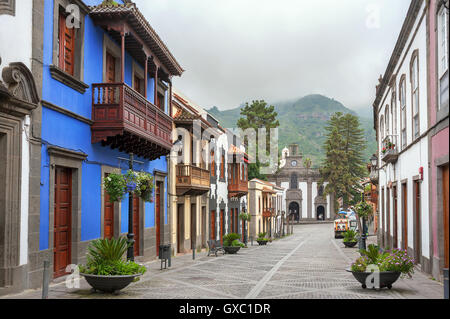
(258, 115)
(343, 166)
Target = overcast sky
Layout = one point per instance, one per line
(235, 51)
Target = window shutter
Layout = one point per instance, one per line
(66, 46)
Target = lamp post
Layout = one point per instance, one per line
(244, 210)
(130, 235)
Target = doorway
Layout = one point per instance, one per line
(445, 190)
(203, 227)
(108, 219)
(193, 226)
(63, 217)
(320, 213)
(213, 225)
(180, 227)
(395, 207)
(222, 226)
(294, 210)
(417, 223)
(158, 216)
(405, 216)
(136, 225)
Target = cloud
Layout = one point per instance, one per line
(239, 50)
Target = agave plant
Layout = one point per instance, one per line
(350, 236)
(102, 250)
(229, 240)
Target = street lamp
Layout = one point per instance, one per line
(244, 210)
(374, 169)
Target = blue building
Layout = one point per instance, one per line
(106, 87)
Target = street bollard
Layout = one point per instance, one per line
(46, 279)
(446, 283)
(251, 239)
(193, 251)
(170, 258)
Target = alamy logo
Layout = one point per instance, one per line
(373, 280)
(373, 16)
(73, 280)
(73, 19)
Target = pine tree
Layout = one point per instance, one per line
(343, 166)
(258, 115)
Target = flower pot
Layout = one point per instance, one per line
(386, 278)
(232, 250)
(350, 244)
(110, 284)
(262, 242)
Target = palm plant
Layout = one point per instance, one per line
(102, 250)
(350, 236)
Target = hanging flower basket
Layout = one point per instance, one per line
(139, 183)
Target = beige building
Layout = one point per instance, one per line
(189, 178)
(265, 202)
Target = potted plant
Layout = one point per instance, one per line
(139, 183)
(262, 240)
(390, 265)
(106, 268)
(231, 243)
(350, 238)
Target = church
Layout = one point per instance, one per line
(303, 195)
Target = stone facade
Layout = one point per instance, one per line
(303, 195)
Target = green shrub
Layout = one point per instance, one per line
(350, 236)
(262, 236)
(106, 258)
(229, 239)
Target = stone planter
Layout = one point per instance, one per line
(387, 279)
(350, 244)
(109, 284)
(262, 242)
(232, 250)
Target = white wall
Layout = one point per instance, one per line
(416, 156)
(314, 195)
(304, 188)
(16, 35)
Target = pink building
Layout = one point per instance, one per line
(438, 133)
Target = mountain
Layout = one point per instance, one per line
(303, 122)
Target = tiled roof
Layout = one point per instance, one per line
(142, 27)
(183, 115)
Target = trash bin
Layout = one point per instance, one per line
(164, 255)
(446, 283)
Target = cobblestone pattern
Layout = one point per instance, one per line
(310, 264)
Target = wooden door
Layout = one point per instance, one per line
(158, 216)
(417, 221)
(110, 76)
(232, 220)
(222, 213)
(395, 207)
(62, 223)
(108, 216)
(405, 216)
(136, 225)
(193, 226)
(213, 225)
(445, 190)
(180, 227)
(137, 84)
(203, 226)
(388, 216)
(66, 46)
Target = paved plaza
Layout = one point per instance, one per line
(310, 264)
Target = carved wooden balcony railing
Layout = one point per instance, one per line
(389, 152)
(126, 120)
(237, 188)
(192, 180)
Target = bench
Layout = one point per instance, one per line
(215, 247)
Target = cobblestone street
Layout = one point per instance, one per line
(310, 264)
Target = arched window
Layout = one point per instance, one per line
(382, 128)
(402, 99)
(394, 111)
(321, 190)
(213, 165)
(386, 120)
(294, 183)
(443, 56)
(415, 94)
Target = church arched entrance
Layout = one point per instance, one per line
(294, 208)
(320, 213)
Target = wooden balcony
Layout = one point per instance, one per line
(192, 180)
(237, 189)
(389, 152)
(127, 121)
